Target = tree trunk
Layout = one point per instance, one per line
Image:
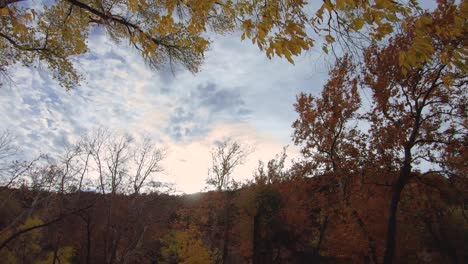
(360, 223)
(115, 246)
(56, 249)
(226, 230)
(323, 227)
(256, 240)
(88, 240)
(390, 244)
(367, 236)
(445, 249)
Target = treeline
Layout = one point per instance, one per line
(99, 202)
(280, 217)
(68, 209)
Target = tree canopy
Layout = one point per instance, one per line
(413, 118)
(169, 31)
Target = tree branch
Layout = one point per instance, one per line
(5, 3)
(26, 230)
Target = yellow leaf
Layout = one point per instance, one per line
(401, 58)
(325, 49)
(133, 5)
(329, 39)
(4, 11)
(287, 54)
(358, 23)
(28, 17)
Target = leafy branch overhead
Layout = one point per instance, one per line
(174, 32)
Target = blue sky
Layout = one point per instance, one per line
(238, 93)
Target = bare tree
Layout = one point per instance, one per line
(36, 181)
(116, 163)
(38, 173)
(120, 163)
(117, 158)
(15, 173)
(7, 151)
(226, 156)
(7, 146)
(148, 160)
(94, 145)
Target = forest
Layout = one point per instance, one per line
(382, 173)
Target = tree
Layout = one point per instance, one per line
(274, 171)
(417, 115)
(332, 143)
(266, 223)
(27, 188)
(121, 163)
(8, 150)
(28, 178)
(323, 126)
(226, 156)
(161, 31)
(174, 31)
(27, 248)
(7, 147)
(51, 187)
(185, 246)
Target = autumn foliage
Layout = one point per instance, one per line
(381, 179)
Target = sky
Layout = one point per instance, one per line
(238, 93)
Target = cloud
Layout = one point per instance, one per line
(203, 107)
(238, 93)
